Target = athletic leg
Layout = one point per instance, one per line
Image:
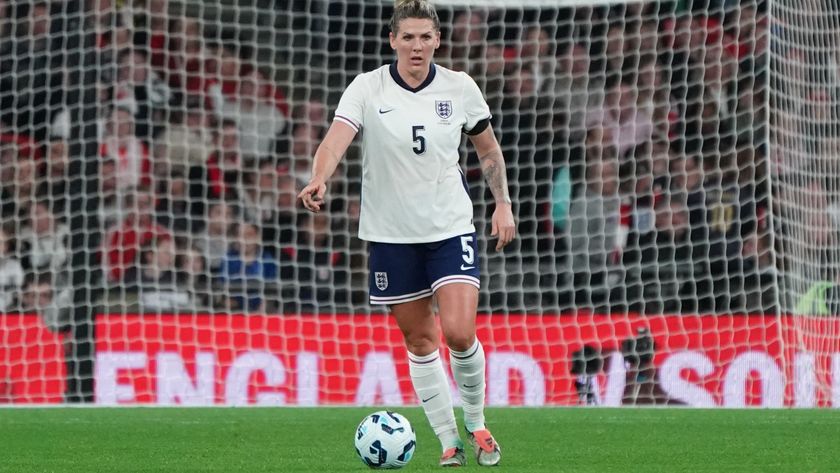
(417, 323)
(454, 273)
(458, 304)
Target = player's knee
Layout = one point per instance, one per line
(420, 344)
(460, 341)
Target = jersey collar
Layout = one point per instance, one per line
(399, 80)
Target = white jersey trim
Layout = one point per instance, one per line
(348, 122)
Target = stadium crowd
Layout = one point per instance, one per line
(635, 137)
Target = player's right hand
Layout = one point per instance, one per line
(312, 196)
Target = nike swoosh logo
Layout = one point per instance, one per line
(385, 111)
(429, 399)
(471, 386)
(464, 268)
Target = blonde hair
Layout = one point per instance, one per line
(413, 9)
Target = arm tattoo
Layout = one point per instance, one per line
(493, 167)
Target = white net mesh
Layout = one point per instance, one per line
(152, 150)
(804, 133)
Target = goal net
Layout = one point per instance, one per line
(803, 161)
(671, 166)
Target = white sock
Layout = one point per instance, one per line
(468, 371)
(432, 388)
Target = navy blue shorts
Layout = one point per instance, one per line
(405, 272)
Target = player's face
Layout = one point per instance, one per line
(415, 43)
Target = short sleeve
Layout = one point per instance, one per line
(352, 104)
(476, 108)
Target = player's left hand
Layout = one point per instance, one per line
(503, 225)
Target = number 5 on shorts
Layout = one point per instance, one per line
(469, 254)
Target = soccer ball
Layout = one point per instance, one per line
(385, 440)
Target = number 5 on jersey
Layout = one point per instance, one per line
(419, 139)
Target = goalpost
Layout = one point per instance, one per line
(672, 167)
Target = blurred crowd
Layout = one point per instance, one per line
(635, 137)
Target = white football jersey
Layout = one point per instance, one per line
(413, 190)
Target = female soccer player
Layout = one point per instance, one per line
(417, 215)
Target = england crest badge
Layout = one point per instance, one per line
(443, 108)
(381, 280)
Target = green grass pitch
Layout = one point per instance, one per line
(321, 440)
